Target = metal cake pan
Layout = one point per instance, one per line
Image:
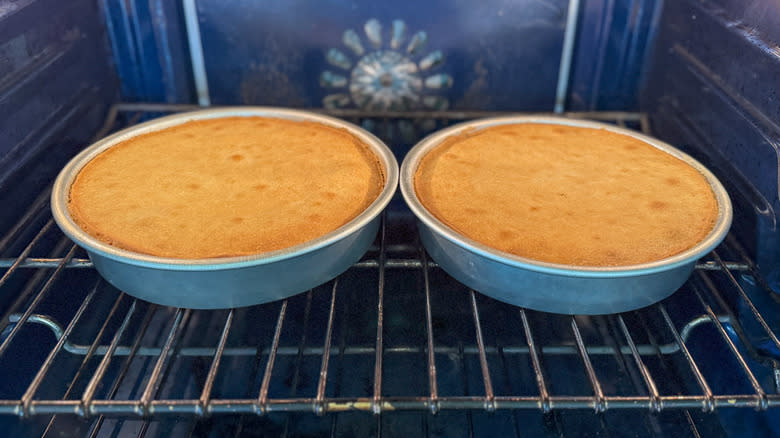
(226, 282)
(551, 287)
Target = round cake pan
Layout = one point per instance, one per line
(551, 287)
(228, 281)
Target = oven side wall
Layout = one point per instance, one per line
(56, 84)
(712, 89)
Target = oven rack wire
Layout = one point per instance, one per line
(104, 363)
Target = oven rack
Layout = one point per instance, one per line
(647, 346)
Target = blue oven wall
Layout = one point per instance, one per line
(56, 82)
(713, 90)
(56, 85)
(500, 54)
(613, 43)
(149, 44)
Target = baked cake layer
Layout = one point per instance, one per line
(225, 187)
(568, 195)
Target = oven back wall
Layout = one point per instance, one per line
(490, 55)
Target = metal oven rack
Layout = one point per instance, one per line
(392, 334)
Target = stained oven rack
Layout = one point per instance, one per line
(412, 319)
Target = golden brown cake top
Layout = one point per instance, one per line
(225, 187)
(567, 195)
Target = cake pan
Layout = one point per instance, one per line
(552, 287)
(226, 282)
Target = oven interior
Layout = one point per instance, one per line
(394, 346)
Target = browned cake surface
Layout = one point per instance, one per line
(578, 196)
(225, 187)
